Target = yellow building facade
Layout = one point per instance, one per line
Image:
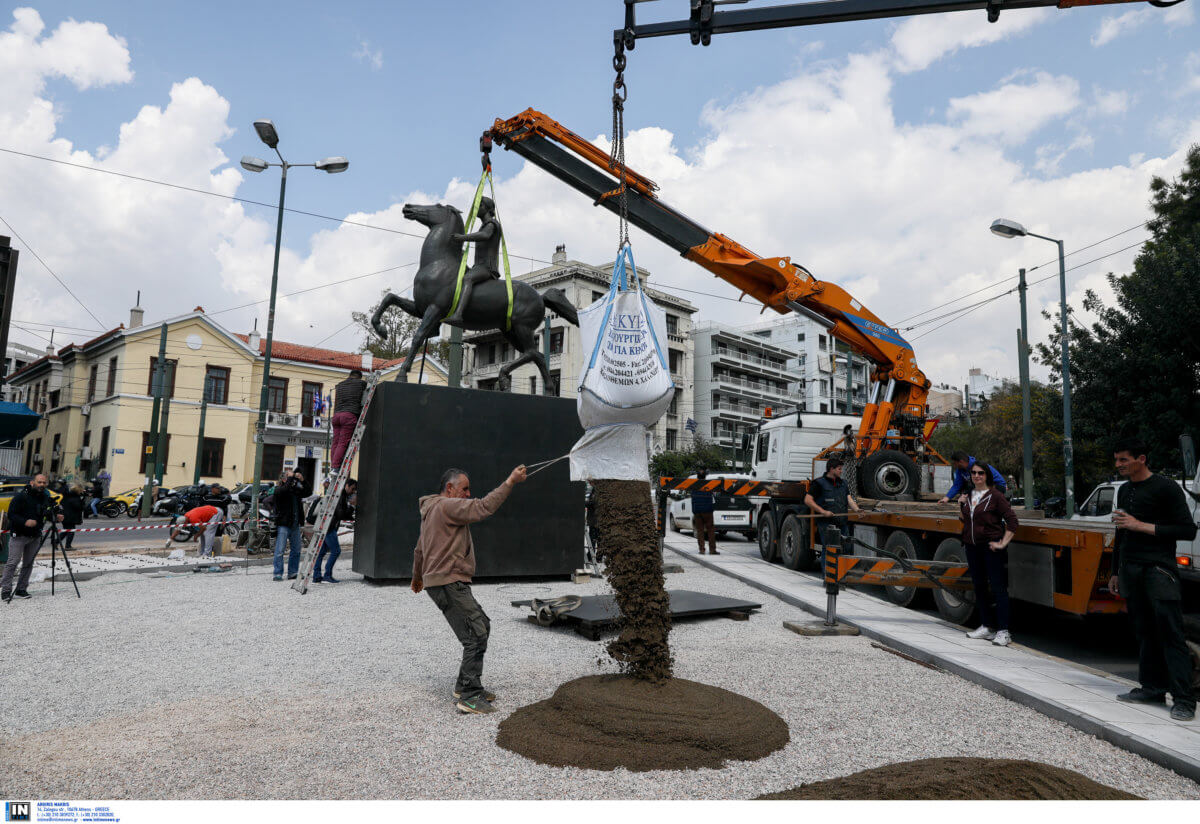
(96, 401)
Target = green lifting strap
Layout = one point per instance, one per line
(462, 265)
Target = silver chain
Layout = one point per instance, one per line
(617, 157)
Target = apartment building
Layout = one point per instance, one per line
(485, 353)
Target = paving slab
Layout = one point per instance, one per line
(1079, 696)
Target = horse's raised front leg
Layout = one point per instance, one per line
(390, 300)
(429, 324)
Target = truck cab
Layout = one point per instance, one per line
(1098, 508)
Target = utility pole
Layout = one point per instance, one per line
(8, 279)
(1026, 413)
(160, 452)
(546, 390)
(151, 455)
(849, 384)
(200, 436)
(454, 378)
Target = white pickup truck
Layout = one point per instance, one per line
(1099, 507)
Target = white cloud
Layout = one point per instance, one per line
(372, 57)
(1015, 111)
(815, 167)
(1180, 15)
(920, 41)
(1108, 103)
(1115, 25)
(1192, 67)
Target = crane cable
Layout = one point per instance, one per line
(616, 161)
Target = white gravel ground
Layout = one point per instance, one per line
(233, 686)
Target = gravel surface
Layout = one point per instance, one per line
(229, 685)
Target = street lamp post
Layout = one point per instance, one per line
(332, 165)
(1010, 229)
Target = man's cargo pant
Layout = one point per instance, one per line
(472, 627)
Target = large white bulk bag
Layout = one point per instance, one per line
(625, 385)
(625, 376)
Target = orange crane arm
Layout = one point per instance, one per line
(775, 282)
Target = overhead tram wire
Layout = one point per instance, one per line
(51, 271)
(229, 197)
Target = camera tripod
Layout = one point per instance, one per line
(56, 546)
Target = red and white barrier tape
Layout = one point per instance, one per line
(155, 526)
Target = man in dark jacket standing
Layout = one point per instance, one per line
(347, 406)
(1151, 515)
(289, 519)
(445, 559)
(344, 511)
(26, 515)
(703, 505)
(829, 496)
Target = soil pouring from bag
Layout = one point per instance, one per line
(957, 779)
(643, 719)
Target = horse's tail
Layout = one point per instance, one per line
(556, 299)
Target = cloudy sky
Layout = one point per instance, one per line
(875, 154)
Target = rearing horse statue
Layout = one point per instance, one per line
(433, 292)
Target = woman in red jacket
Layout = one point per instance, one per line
(989, 525)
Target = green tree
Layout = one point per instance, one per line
(1135, 371)
(683, 462)
(400, 327)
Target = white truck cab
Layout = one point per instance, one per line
(1099, 508)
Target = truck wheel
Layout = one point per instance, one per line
(794, 551)
(888, 475)
(901, 543)
(674, 524)
(766, 537)
(956, 607)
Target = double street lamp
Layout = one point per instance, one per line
(1010, 229)
(332, 165)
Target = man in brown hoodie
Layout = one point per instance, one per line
(445, 560)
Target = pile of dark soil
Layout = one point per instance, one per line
(627, 543)
(957, 779)
(602, 722)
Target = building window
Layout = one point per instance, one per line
(87, 438)
(277, 395)
(216, 384)
(675, 360)
(489, 357)
(672, 325)
(556, 383)
(823, 342)
(212, 458)
(800, 338)
(111, 388)
(103, 457)
(309, 393)
(671, 438)
(533, 385)
(169, 366)
(93, 374)
(55, 452)
(54, 398)
(556, 342)
(597, 296)
(673, 409)
(166, 455)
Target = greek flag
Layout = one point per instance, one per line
(690, 426)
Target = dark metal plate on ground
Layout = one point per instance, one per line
(597, 612)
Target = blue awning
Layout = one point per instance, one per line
(16, 421)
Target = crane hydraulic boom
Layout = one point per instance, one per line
(776, 282)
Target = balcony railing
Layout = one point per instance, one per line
(757, 387)
(762, 363)
(742, 409)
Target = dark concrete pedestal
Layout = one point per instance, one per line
(415, 432)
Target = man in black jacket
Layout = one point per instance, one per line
(1151, 515)
(27, 513)
(289, 519)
